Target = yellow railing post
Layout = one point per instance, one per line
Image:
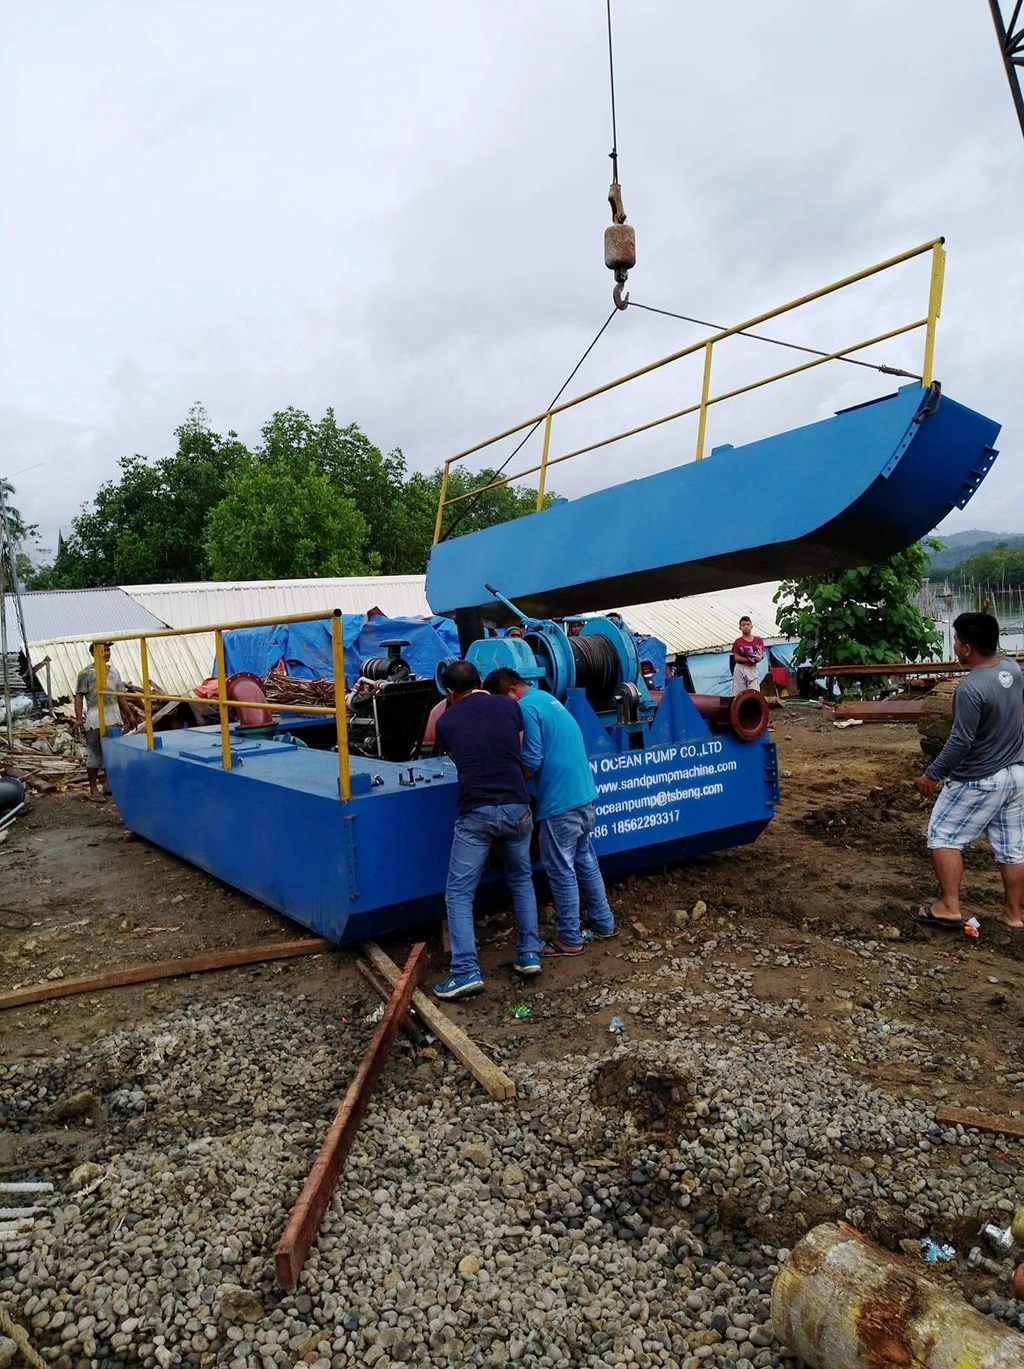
(934, 309)
(340, 715)
(442, 497)
(100, 667)
(705, 391)
(147, 703)
(222, 701)
(544, 462)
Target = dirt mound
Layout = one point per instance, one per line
(659, 1099)
(891, 814)
(784, 1227)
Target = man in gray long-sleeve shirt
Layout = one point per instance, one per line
(983, 766)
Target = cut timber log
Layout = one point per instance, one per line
(165, 969)
(494, 1080)
(880, 710)
(304, 1222)
(839, 1300)
(980, 1121)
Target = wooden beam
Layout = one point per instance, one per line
(165, 969)
(880, 710)
(981, 1121)
(304, 1222)
(485, 1071)
(411, 1028)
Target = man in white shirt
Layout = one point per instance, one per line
(86, 694)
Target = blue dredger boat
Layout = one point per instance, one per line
(352, 846)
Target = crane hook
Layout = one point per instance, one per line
(619, 245)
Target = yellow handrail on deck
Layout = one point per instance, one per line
(224, 704)
(707, 345)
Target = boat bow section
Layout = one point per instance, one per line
(843, 492)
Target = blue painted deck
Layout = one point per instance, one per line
(836, 494)
(274, 826)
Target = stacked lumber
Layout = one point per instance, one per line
(47, 757)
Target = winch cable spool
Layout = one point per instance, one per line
(597, 666)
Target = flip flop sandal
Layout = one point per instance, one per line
(924, 917)
(590, 935)
(553, 948)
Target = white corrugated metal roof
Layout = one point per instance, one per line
(176, 664)
(208, 603)
(53, 613)
(702, 622)
(707, 622)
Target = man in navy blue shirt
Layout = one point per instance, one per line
(483, 735)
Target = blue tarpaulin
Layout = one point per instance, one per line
(305, 648)
(653, 649)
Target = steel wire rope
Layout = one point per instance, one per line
(779, 342)
(614, 154)
(520, 445)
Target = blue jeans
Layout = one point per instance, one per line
(512, 824)
(569, 859)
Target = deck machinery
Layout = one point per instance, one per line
(675, 777)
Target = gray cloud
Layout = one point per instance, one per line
(399, 212)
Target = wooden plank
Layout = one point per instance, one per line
(881, 710)
(981, 1121)
(485, 1071)
(165, 969)
(304, 1222)
(412, 1029)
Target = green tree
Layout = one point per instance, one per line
(151, 524)
(419, 509)
(1002, 565)
(860, 617)
(354, 466)
(19, 530)
(276, 522)
(148, 525)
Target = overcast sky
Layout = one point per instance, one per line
(398, 210)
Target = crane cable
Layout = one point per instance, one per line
(780, 342)
(522, 443)
(619, 239)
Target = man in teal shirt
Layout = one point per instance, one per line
(556, 757)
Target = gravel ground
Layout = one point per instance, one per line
(631, 1209)
(787, 1036)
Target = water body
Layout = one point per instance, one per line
(943, 601)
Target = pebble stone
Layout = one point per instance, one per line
(576, 1226)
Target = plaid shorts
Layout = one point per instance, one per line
(993, 805)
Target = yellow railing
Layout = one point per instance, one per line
(707, 399)
(224, 704)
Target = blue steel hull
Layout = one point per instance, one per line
(847, 491)
(274, 826)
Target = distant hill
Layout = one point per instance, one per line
(957, 546)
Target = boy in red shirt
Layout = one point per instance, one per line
(747, 653)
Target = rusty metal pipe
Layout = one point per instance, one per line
(841, 1302)
(746, 713)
